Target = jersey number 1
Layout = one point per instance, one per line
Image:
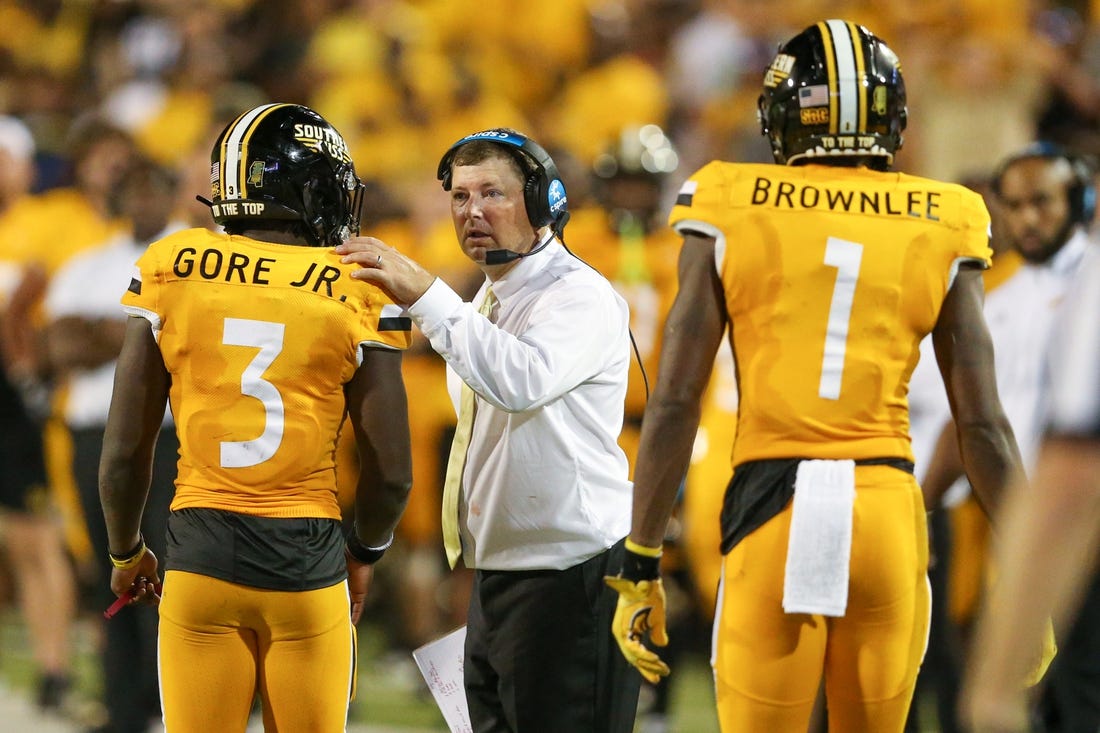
(845, 257)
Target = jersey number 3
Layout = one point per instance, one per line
(845, 257)
(268, 338)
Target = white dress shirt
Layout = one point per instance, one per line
(1074, 364)
(545, 484)
(929, 410)
(1022, 314)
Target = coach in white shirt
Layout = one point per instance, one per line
(1045, 200)
(1048, 561)
(541, 506)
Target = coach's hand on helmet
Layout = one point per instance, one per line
(400, 276)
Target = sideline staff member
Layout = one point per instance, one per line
(828, 284)
(544, 499)
(262, 341)
(1047, 563)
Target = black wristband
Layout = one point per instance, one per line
(640, 567)
(362, 553)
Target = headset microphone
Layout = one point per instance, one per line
(503, 256)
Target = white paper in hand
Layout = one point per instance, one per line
(440, 662)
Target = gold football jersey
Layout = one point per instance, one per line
(832, 276)
(259, 340)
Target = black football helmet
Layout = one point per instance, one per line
(835, 89)
(285, 162)
(628, 177)
(643, 151)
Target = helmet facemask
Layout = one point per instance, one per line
(332, 206)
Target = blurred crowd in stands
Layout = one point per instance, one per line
(629, 96)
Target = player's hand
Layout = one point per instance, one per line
(640, 612)
(140, 583)
(1046, 656)
(359, 579)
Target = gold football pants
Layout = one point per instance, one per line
(768, 664)
(222, 643)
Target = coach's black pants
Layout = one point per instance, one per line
(540, 657)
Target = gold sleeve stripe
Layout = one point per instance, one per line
(234, 150)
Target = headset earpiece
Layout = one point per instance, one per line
(531, 197)
(1082, 193)
(544, 194)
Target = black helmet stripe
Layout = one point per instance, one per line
(234, 152)
(846, 66)
(861, 92)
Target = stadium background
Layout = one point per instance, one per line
(402, 79)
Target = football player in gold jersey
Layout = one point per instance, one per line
(826, 270)
(622, 234)
(261, 342)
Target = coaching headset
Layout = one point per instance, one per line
(543, 196)
(543, 191)
(1082, 189)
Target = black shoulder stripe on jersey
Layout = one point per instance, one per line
(397, 323)
(684, 199)
(135, 286)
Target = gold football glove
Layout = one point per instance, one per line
(640, 610)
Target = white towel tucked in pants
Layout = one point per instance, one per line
(820, 542)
